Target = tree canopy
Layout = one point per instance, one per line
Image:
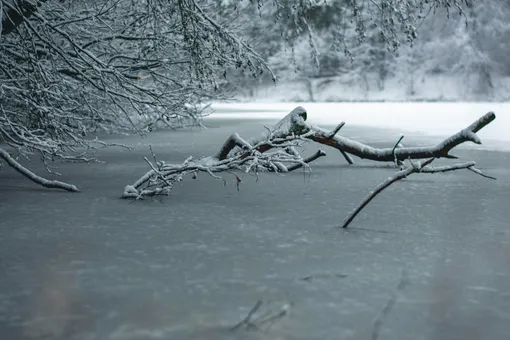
(69, 68)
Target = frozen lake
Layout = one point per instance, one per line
(91, 266)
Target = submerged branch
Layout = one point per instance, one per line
(420, 167)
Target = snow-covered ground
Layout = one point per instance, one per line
(431, 119)
(87, 266)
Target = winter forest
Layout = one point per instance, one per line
(456, 56)
(254, 169)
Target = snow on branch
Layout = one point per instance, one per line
(440, 150)
(295, 123)
(70, 69)
(33, 177)
(276, 151)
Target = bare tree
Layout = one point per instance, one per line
(76, 67)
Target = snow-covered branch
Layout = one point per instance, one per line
(248, 157)
(15, 13)
(33, 177)
(276, 151)
(69, 69)
(440, 150)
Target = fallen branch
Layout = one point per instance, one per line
(421, 167)
(33, 177)
(295, 124)
(276, 151)
(161, 178)
(440, 150)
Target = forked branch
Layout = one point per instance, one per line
(419, 167)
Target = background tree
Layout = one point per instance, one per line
(462, 50)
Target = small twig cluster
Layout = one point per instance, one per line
(241, 156)
(256, 322)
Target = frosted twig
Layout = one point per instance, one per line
(307, 160)
(479, 172)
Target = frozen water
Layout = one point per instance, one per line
(92, 266)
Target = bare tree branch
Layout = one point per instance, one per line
(389, 154)
(420, 167)
(33, 177)
(276, 151)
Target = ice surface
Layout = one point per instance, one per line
(82, 266)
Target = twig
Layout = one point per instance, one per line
(335, 130)
(307, 160)
(396, 177)
(379, 321)
(395, 159)
(479, 172)
(247, 320)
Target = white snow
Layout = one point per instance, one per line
(435, 119)
(430, 88)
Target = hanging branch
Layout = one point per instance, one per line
(33, 177)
